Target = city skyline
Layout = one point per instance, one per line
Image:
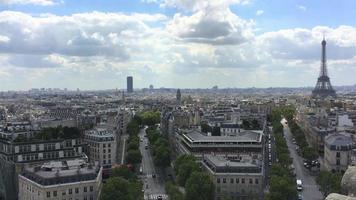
(174, 43)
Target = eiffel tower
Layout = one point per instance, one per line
(323, 86)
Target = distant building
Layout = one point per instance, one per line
(129, 84)
(235, 179)
(102, 146)
(338, 151)
(197, 143)
(71, 179)
(178, 96)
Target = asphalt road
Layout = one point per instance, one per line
(310, 188)
(154, 187)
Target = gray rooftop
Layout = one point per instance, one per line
(244, 136)
(339, 140)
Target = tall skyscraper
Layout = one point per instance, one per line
(178, 96)
(323, 86)
(129, 84)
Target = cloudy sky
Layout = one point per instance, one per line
(95, 44)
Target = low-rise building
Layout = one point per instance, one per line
(236, 179)
(102, 146)
(197, 143)
(71, 179)
(338, 152)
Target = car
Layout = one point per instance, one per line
(269, 163)
(159, 197)
(300, 197)
(299, 185)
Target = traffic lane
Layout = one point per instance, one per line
(310, 188)
(152, 186)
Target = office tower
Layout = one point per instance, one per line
(129, 84)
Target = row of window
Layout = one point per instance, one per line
(70, 191)
(237, 180)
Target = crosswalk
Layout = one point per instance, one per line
(156, 197)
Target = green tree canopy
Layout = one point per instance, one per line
(199, 187)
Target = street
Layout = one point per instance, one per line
(153, 185)
(310, 188)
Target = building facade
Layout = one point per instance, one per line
(235, 179)
(69, 180)
(338, 152)
(102, 146)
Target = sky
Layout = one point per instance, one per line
(96, 44)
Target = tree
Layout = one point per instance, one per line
(151, 118)
(185, 170)
(119, 188)
(124, 172)
(329, 182)
(182, 159)
(205, 128)
(162, 156)
(199, 187)
(309, 153)
(133, 156)
(281, 188)
(115, 188)
(173, 192)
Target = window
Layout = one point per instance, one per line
(109, 150)
(251, 181)
(231, 180)
(218, 180)
(91, 188)
(54, 193)
(76, 190)
(109, 145)
(337, 161)
(85, 198)
(242, 180)
(48, 194)
(64, 193)
(256, 181)
(237, 180)
(337, 154)
(104, 145)
(85, 189)
(224, 180)
(91, 197)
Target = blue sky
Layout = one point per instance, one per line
(174, 43)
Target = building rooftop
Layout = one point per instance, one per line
(220, 164)
(339, 140)
(243, 136)
(61, 172)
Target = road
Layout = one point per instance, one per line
(154, 187)
(310, 188)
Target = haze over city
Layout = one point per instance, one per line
(174, 43)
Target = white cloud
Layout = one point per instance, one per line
(195, 5)
(301, 7)
(259, 12)
(33, 2)
(4, 39)
(214, 24)
(84, 49)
